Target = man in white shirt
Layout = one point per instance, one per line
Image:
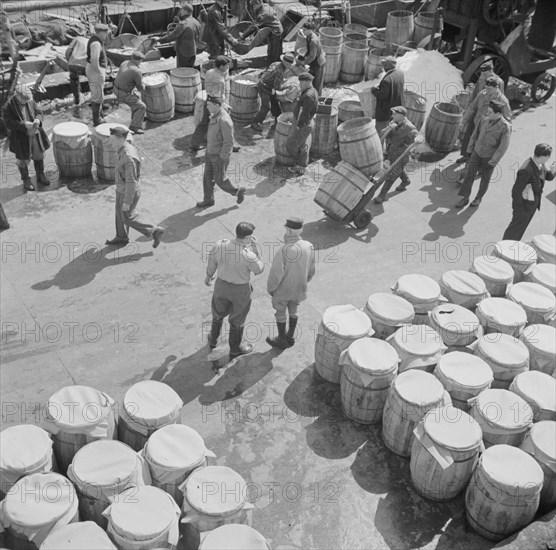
(76, 56)
(96, 70)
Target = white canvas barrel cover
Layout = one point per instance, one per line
(459, 370)
(539, 390)
(346, 322)
(502, 352)
(493, 269)
(392, 310)
(420, 389)
(417, 345)
(534, 297)
(372, 357)
(501, 313)
(544, 275)
(234, 536)
(516, 253)
(462, 287)
(540, 443)
(541, 343)
(421, 291)
(86, 535)
(456, 324)
(72, 134)
(545, 245)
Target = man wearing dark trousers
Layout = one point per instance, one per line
(76, 56)
(129, 79)
(389, 92)
(266, 18)
(233, 262)
(96, 70)
(527, 190)
(216, 32)
(315, 56)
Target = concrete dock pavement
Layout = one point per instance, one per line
(77, 311)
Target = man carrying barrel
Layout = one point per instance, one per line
(315, 56)
(389, 92)
(292, 268)
(265, 17)
(128, 192)
(487, 146)
(96, 70)
(216, 32)
(129, 79)
(303, 114)
(76, 56)
(398, 136)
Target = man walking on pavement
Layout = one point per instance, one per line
(292, 268)
(128, 79)
(216, 32)
(487, 146)
(265, 17)
(315, 56)
(128, 192)
(389, 92)
(76, 56)
(527, 190)
(303, 114)
(398, 136)
(487, 71)
(220, 141)
(96, 70)
(232, 262)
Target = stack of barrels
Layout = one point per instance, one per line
(105, 480)
(454, 367)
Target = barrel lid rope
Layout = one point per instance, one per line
(458, 370)
(73, 134)
(540, 442)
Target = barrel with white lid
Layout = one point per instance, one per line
(172, 453)
(339, 327)
(234, 537)
(422, 292)
(24, 449)
(538, 302)
(544, 275)
(464, 376)
(369, 368)
(143, 518)
(388, 313)
(504, 416)
(445, 450)
(418, 347)
(36, 505)
(545, 246)
(540, 443)
(495, 272)
(101, 471)
(501, 315)
(521, 256)
(412, 395)
(148, 405)
(85, 535)
(539, 390)
(463, 288)
(72, 148)
(456, 325)
(504, 491)
(213, 496)
(506, 356)
(105, 150)
(78, 415)
(541, 343)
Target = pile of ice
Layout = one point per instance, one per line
(154, 79)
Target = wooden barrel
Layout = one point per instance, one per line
(200, 102)
(412, 395)
(73, 151)
(172, 453)
(500, 500)
(244, 98)
(367, 99)
(545, 247)
(144, 517)
(360, 145)
(333, 61)
(373, 66)
(283, 128)
(442, 126)
(541, 343)
(495, 272)
(105, 150)
(540, 443)
(539, 390)
(504, 417)
(416, 106)
(538, 302)
(377, 40)
(521, 256)
(78, 535)
(341, 190)
(463, 376)
(360, 38)
(369, 368)
(353, 61)
(339, 327)
(544, 275)
(444, 453)
(424, 22)
(349, 109)
(399, 27)
(148, 406)
(324, 133)
(388, 313)
(463, 288)
(456, 325)
(158, 96)
(187, 84)
(26, 449)
(234, 536)
(422, 292)
(330, 36)
(223, 504)
(501, 315)
(354, 28)
(101, 471)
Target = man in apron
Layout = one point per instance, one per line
(96, 70)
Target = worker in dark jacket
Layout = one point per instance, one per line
(186, 33)
(265, 17)
(216, 32)
(315, 56)
(527, 190)
(398, 136)
(129, 79)
(303, 113)
(389, 92)
(27, 139)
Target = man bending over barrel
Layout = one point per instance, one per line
(128, 80)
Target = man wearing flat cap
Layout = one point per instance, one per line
(96, 70)
(486, 71)
(315, 56)
(292, 268)
(303, 114)
(128, 82)
(489, 142)
(128, 192)
(389, 92)
(398, 136)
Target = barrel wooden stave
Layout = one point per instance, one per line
(73, 162)
(91, 509)
(442, 126)
(373, 66)
(333, 62)
(244, 99)
(416, 106)
(330, 36)
(360, 145)
(424, 23)
(399, 27)
(187, 84)
(368, 101)
(349, 109)
(327, 357)
(353, 62)
(377, 39)
(324, 133)
(160, 101)
(65, 445)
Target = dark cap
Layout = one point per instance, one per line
(137, 56)
(487, 66)
(101, 27)
(221, 60)
(492, 81)
(496, 106)
(120, 131)
(309, 26)
(214, 99)
(288, 58)
(399, 109)
(294, 223)
(389, 60)
(306, 76)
